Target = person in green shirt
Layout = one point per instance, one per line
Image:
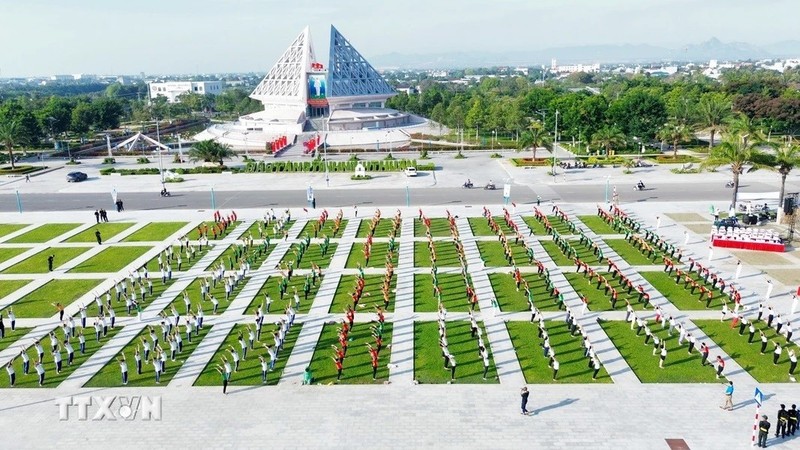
(308, 377)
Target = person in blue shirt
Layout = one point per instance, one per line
(728, 397)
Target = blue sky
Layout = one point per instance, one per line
(43, 37)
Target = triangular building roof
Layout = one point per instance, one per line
(349, 74)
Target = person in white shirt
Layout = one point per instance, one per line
(123, 367)
(70, 352)
(39, 371)
(12, 376)
(264, 366)
(26, 360)
(81, 342)
(556, 366)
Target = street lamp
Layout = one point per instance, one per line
(608, 178)
(494, 138)
(555, 148)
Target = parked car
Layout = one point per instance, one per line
(411, 171)
(76, 177)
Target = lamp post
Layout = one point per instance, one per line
(160, 153)
(555, 148)
(19, 201)
(213, 200)
(494, 138)
(325, 128)
(608, 178)
(408, 195)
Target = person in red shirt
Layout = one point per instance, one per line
(373, 353)
(338, 364)
(704, 352)
(379, 312)
(351, 315)
(720, 365)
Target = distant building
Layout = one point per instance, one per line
(574, 68)
(173, 89)
(61, 78)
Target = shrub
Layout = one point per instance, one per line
(529, 162)
(142, 160)
(496, 155)
(424, 154)
(680, 159)
(72, 162)
(360, 177)
(177, 159)
(459, 155)
(174, 180)
(109, 160)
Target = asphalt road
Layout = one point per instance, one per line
(335, 198)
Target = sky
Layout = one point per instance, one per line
(46, 37)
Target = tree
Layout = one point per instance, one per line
(712, 112)
(735, 152)
(639, 112)
(210, 151)
(536, 136)
(476, 116)
(675, 132)
(787, 158)
(83, 116)
(10, 136)
(439, 115)
(747, 128)
(608, 138)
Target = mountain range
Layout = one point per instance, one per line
(602, 54)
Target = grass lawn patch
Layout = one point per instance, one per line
(631, 254)
(111, 259)
(584, 253)
(679, 296)
(213, 232)
(120, 307)
(493, 254)
(254, 254)
(326, 230)
(38, 262)
(8, 228)
(51, 379)
(598, 299)
(480, 226)
(505, 291)
(538, 227)
(313, 254)
(372, 285)
(155, 231)
(357, 365)
(446, 254)
(39, 303)
(382, 230)
(573, 365)
(7, 253)
(186, 263)
(107, 231)
(218, 291)
(440, 227)
(9, 286)
(272, 287)
(749, 355)
(377, 258)
(44, 233)
(11, 337)
(454, 293)
(110, 375)
(679, 367)
(428, 360)
(249, 373)
(598, 225)
(266, 231)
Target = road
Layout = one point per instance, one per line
(334, 198)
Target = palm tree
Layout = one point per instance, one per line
(745, 127)
(10, 136)
(535, 137)
(675, 133)
(787, 158)
(735, 152)
(712, 113)
(608, 138)
(210, 151)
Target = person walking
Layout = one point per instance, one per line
(763, 431)
(50, 262)
(720, 366)
(728, 405)
(524, 396)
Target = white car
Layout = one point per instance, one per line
(411, 171)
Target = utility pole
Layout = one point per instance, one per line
(555, 148)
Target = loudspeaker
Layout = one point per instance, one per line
(788, 205)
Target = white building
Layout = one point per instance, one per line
(173, 89)
(574, 68)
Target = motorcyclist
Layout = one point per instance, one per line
(640, 185)
(468, 184)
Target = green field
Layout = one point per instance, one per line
(372, 286)
(7, 253)
(357, 366)
(208, 308)
(682, 298)
(110, 259)
(155, 231)
(480, 226)
(12, 336)
(538, 227)
(249, 373)
(493, 254)
(256, 258)
(454, 294)
(39, 303)
(509, 299)
(378, 255)
(312, 255)
(271, 287)
(446, 254)
(119, 306)
(598, 225)
(38, 262)
(195, 234)
(584, 253)
(107, 231)
(326, 230)
(382, 230)
(8, 228)
(186, 264)
(428, 360)
(9, 286)
(631, 254)
(598, 299)
(44, 233)
(573, 365)
(440, 227)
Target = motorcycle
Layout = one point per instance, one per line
(639, 187)
(490, 187)
(729, 184)
(165, 193)
(467, 185)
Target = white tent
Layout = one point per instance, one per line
(133, 140)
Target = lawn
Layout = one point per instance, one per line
(186, 264)
(357, 366)
(155, 231)
(584, 253)
(682, 298)
(480, 226)
(39, 303)
(38, 262)
(538, 227)
(598, 225)
(51, 379)
(573, 365)
(110, 376)
(679, 367)
(9, 286)
(313, 254)
(249, 373)
(271, 287)
(107, 231)
(631, 254)
(428, 360)
(372, 286)
(446, 254)
(454, 293)
(7, 253)
(749, 355)
(256, 259)
(110, 259)
(8, 228)
(505, 291)
(382, 230)
(208, 308)
(12, 336)
(119, 306)
(440, 227)
(493, 255)
(377, 258)
(267, 230)
(44, 233)
(195, 234)
(598, 299)
(326, 230)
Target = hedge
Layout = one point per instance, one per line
(397, 165)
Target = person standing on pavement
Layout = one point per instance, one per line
(97, 215)
(783, 422)
(728, 405)
(524, 396)
(793, 418)
(763, 431)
